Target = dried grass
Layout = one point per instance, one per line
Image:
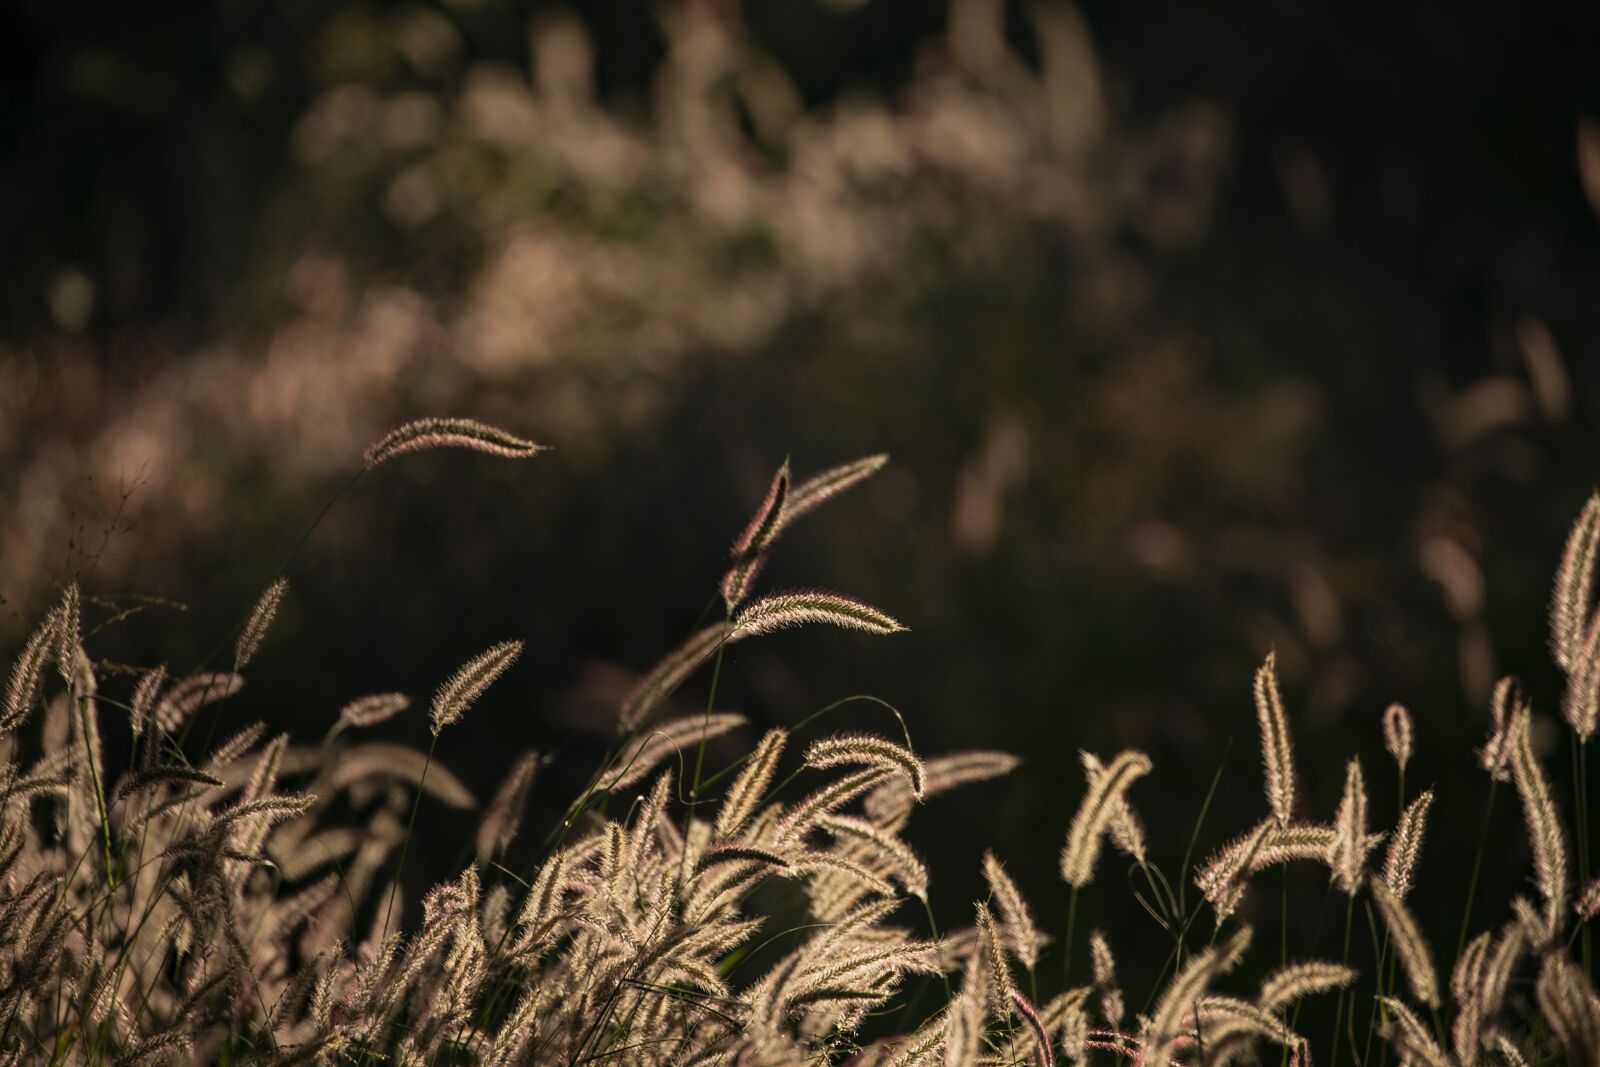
(227, 907)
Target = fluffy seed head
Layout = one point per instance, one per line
(188, 695)
(1178, 1000)
(255, 627)
(504, 816)
(1015, 918)
(1588, 904)
(1297, 980)
(1504, 707)
(1127, 832)
(67, 631)
(820, 488)
(1397, 733)
(868, 750)
(143, 702)
(1573, 596)
(1498, 967)
(744, 796)
(1094, 814)
(893, 801)
(423, 434)
(660, 681)
(1041, 1036)
(1105, 979)
(994, 958)
(895, 855)
(1411, 1037)
(371, 710)
(1580, 704)
(794, 609)
(1276, 751)
(1222, 880)
(1349, 854)
(1415, 959)
(749, 550)
(462, 689)
(1544, 823)
(1568, 1004)
(1400, 865)
(23, 688)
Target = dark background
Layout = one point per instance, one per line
(1193, 330)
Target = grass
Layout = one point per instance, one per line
(236, 906)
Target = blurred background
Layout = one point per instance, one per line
(1193, 331)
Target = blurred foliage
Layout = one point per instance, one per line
(1191, 336)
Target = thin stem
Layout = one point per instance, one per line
(405, 844)
(1477, 868)
(1344, 960)
(282, 569)
(1378, 1013)
(1581, 772)
(1283, 940)
(94, 778)
(1066, 942)
(700, 755)
(1194, 836)
(933, 928)
(700, 750)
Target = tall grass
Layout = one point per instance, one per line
(238, 906)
